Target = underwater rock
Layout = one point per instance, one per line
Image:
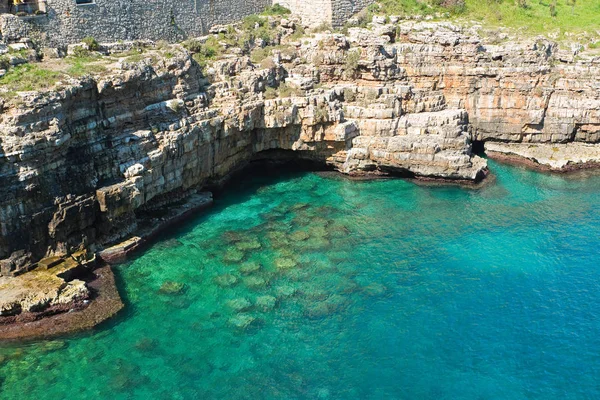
(266, 303)
(319, 222)
(302, 220)
(375, 289)
(317, 310)
(276, 235)
(169, 244)
(233, 255)
(240, 304)
(146, 344)
(338, 231)
(249, 268)
(316, 243)
(287, 252)
(284, 291)
(53, 345)
(285, 263)
(232, 236)
(299, 274)
(172, 288)
(298, 206)
(241, 321)
(179, 302)
(278, 239)
(318, 231)
(299, 236)
(248, 245)
(333, 304)
(226, 280)
(255, 282)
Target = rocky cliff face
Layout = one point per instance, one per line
(81, 166)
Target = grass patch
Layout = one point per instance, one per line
(532, 17)
(538, 17)
(283, 91)
(81, 66)
(29, 77)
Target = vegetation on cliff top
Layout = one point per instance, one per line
(536, 17)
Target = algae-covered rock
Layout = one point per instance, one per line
(266, 303)
(316, 243)
(172, 288)
(146, 344)
(318, 231)
(226, 280)
(375, 289)
(332, 305)
(299, 236)
(285, 263)
(53, 345)
(232, 236)
(250, 268)
(284, 291)
(242, 321)
(299, 274)
(278, 239)
(299, 206)
(246, 245)
(255, 282)
(233, 255)
(240, 304)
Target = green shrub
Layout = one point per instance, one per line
(4, 62)
(261, 53)
(322, 113)
(91, 43)
(192, 45)
(276, 9)
(351, 63)
(81, 52)
(324, 26)
(208, 51)
(249, 23)
(270, 93)
(288, 91)
(267, 63)
(298, 33)
(349, 95)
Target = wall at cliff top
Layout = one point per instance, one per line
(333, 12)
(110, 20)
(81, 165)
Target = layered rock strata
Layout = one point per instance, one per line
(84, 165)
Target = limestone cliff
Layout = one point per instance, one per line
(82, 165)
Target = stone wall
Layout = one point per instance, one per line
(344, 9)
(313, 12)
(112, 20)
(171, 20)
(334, 12)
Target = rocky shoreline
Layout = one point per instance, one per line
(557, 158)
(76, 316)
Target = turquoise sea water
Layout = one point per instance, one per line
(301, 286)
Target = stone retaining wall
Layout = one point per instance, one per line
(112, 20)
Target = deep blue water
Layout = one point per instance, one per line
(302, 286)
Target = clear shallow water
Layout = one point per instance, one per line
(364, 290)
